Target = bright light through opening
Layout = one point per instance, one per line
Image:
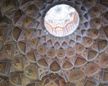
(61, 20)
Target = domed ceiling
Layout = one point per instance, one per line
(31, 56)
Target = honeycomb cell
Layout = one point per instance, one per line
(31, 56)
(101, 35)
(64, 44)
(79, 48)
(22, 46)
(4, 68)
(87, 41)
(28, 34)
(56, 45)
(4, 55)
(16, 33)
(76, 75)
(91, 69)
(100, 76)
(93, 33)
(94, 46)
(16, 78)
(43, 62)
(27, 21)
(18, 62)
(102, 44)
(67, 65)
(71, 42)
(55, 66)
(103, 60)
(22, 36)
(25, 80)
(41, 49)
(80, 61)
(60, 53)
(9, 49)
(96, 23)
(92, 54)
(43, 40)
(9, 6)
(95, 11)
(31, 10)
(18, 14)
(50, 43)
(70, 52)
(78, 38)
(34, 43)
(51, 52)
(31, 72)
(53, 80)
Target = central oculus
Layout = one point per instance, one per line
(61, 20)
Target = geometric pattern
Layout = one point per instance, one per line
(30, 56)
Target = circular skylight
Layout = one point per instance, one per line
(61, 20)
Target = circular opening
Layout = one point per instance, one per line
(61, 20)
